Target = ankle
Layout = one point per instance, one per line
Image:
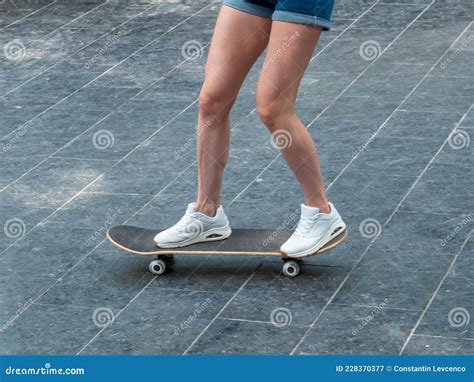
(208, 209)
(324, 208)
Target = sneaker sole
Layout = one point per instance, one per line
(328, 244)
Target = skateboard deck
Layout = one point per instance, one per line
(242, 242)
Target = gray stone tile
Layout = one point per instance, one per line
(148, 32)
(420, 233)
(389, 15)
(173, 319)
(464, 43)
(268, 292)
(115, 14)
(240, 337)
(18, 293)
(57, 180)
(17, 219)
(251, 133)
(23, 8)
(364, 330)
(15, 167)
(317, 90)
(423, 43)
(167, 207)
(110, 139)
(420, 125)
(50, 87)
(49, 18)
(142, 173)
(468, 121)
(12, 119)
(46, 329)
(396, 156)
(374, 195)
(343, 55)
(47, 252)
(441, 94)
(385, 274)
(366, 111)
(158, 109)
(449, 313)
(97, 211)
(438, 345)
(455, 64)
(209, 273)
(389, 82)
(449, 11)
(58, 126)
(28, 138)
(102, 97)
(458, 151)
(351, 9)
(329, 130)
(105, 278)
(254, 214)
(455, 179)
(275, 186)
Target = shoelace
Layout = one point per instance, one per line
(304, 225)
(183, 223)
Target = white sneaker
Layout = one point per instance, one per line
(314, 230)
(195, 227)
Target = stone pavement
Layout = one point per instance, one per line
(98, 111)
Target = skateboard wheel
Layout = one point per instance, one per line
(291, 268)
(157, 267)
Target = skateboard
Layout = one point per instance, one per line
(242, 242)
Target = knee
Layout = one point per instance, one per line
(214, 103)
(271, 107)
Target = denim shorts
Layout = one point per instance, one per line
(309, 12)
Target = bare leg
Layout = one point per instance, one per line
(289, 51)
(239, 39)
